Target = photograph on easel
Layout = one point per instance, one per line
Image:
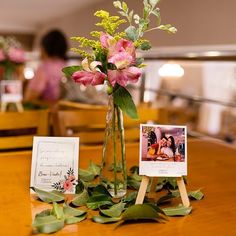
(11, 91)
(163, 150)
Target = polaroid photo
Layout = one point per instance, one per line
(163, 150)
(11, 91)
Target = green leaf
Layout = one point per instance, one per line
(57, 211)
(115, 210)
(44, 213)
(177, 211)
(145, 45)
(79, 187)
(132, 33)
(94, 202)
(49, 197)
(93, 168)
(139, 61)
(197, 195)
(70, 211)
(140, 212)
(48, 224)
(80, 199)
(100, 189)
(86, 175)
(131, 197)
(123, 100)
(165, 199)
(173, 182)
(70, 70)
(74, 220)
(105, 220)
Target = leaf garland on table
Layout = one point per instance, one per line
(96, 197)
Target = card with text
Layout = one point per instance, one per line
(163, 150)
(55, 163)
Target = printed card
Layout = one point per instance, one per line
(55, 163)
(163, 150)
(11, 91)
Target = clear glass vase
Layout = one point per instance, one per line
(114, 174)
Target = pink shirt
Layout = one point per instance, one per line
(47, 79)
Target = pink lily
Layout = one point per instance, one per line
(91, 75)
(122, 77)
(121, 53)
(16, 55)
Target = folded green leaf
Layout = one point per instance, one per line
(48, 224)
(115, 210)
(165, 198)
(86, 175)
(57, 211)
(140, 212)
(93, 168)
(47, 212)
(75, 219)
(177, 211)
(97, 201)
(105, 220)
(70, 211)
(52, 196)
(79, 187)
(73, 215)
(69, 70)
(100, 189)
(80, 199)
(197, 195)
(130, 197)
(123, 100)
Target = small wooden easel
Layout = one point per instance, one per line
(144, 185)
(18, 105)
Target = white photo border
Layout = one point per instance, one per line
(157, 168)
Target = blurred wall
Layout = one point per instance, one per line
(198, 22)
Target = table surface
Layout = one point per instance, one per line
(211, 166)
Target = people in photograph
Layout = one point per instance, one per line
(166, 147)
(46, 84)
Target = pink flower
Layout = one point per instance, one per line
(107, 40)
(2, 56)
(16, 55)
(122, 77)
(71, 178)
(121, 52)
(68, 186)
(91, 75)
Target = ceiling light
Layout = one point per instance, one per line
(171, 70)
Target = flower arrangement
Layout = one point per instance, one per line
(110, 59)
(11, 55)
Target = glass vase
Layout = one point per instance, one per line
(113, 173)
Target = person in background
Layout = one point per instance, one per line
(46, 84)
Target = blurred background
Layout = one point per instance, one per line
(191, 75)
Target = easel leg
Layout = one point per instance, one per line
(19, 107)
(142, 190)
(3, 106)
(183, 192)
